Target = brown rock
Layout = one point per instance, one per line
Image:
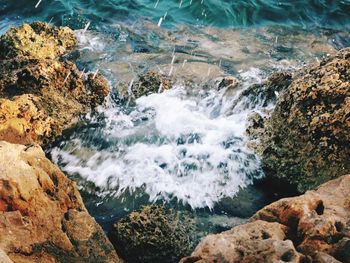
(42, 97)
(42, 216)
(313, 227)
(307, 138)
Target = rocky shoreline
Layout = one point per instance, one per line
(304, 142)
(42, 215)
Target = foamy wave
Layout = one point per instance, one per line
(183, 148)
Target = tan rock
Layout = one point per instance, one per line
(38, 39)
(42, 97)
(313, 227)
(42, 216)
(258, 241)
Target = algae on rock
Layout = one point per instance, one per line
(306, 140)
(153, 234)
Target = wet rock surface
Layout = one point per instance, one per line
(40, 95)
(145, 84)
(42, 216)
(313, 227)
(306, 140)
(153, 234)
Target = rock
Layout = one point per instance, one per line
(42, 215)
(258, 241)
(41, 97)
(255, 130)
(153, 234)
(146, 84)
(228, 82)
(307, 138)
(38, 39)
(265, 93)
(313, 227)
(268, 91)
(4, 258)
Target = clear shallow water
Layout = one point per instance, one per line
(185, 147)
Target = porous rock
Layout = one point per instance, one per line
(306, 141)
(313, 227)
(153, 234)
(42, 215)
(40, 96)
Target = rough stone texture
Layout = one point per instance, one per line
(42, 216)
(41, 97)
(153, 234)
(39, 40)
(146, 84)
(258, 241)
(313, 227)
(306, 141)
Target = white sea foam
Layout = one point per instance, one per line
(89, 41)
(171, 146)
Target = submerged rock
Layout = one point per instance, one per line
(42, 215)
(153, 234)
(313, 227)
(146, 84)
(41, 97)
(38, 39)
(306, 141)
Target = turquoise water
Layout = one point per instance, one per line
(225, 13)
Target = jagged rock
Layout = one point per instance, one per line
(153, 234)
(41, 97)
(146, 84)
(42, 216)
(228, 82)
(38, 39)
(313, 227)
(258, 241)
(307, 138)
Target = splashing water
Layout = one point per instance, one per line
(171, 145)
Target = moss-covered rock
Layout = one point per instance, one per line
(153, 234)
(306, 141)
